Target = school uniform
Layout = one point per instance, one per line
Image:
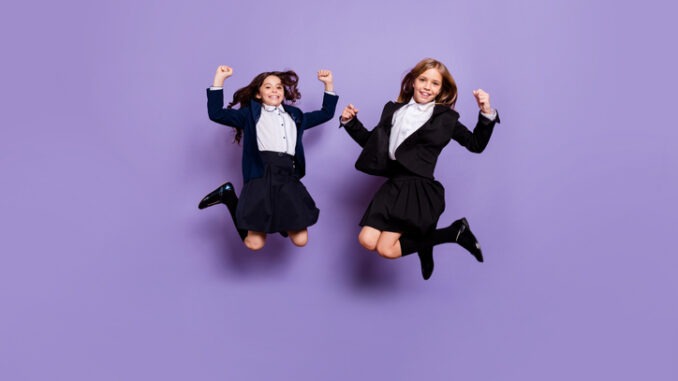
(404, 147)
(273, 199)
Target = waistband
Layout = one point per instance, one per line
(278, 162)
(397, 171)
(276, 158)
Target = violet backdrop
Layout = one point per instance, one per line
(108, 271)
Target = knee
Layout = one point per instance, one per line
(299, 239)
(388, 252)
(254, 243)
(367, 242)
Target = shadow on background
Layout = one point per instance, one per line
(232, 255)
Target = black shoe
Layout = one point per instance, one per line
(426, 259)
(467, 240)
(225, 194)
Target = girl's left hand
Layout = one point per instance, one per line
(325, 76)
(483, 100)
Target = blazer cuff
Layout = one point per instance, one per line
(483, 118)
(348, 124)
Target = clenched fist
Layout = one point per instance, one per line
(220, 76)
(349, 113)
(483, 100)
(325, 76)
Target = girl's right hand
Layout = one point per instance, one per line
(222, 73)
(349, 113)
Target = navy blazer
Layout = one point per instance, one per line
(247, 117)
(419, 152)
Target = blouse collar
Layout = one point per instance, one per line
(422, 107)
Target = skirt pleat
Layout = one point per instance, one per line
(277, 202)
(406, 204)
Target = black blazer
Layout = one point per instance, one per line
(247, 117)
(419, 152)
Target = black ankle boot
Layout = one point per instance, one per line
(225, 194)
(467, 240)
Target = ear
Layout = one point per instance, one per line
(258, 96)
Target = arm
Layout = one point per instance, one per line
(356, 130)
(329, 106)
(215, 101)
(477, 140)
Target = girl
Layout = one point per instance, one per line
(272, 199)
(404, 147)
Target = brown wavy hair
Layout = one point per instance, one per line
(242, 97)
(448, 91)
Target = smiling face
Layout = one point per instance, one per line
(427, 86)
(271, 91)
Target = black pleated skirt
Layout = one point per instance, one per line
(277, 202)
(406, 203)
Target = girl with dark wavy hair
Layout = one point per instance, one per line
(404, 147)
(273, 199)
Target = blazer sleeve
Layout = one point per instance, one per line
(477, 140)
(359, 133)
(217, 112)
(325, 113)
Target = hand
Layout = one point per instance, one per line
(220, 76)
(349, 113)
(483, 100)
(325, 76)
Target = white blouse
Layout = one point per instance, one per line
(406, 121)
(276, 131)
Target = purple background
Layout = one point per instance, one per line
(108, 271)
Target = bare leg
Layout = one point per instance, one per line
(369, 237)
(299, 237)
(255, 240)
(388, 245)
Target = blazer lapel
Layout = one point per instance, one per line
(412, 139)
(391, 109)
